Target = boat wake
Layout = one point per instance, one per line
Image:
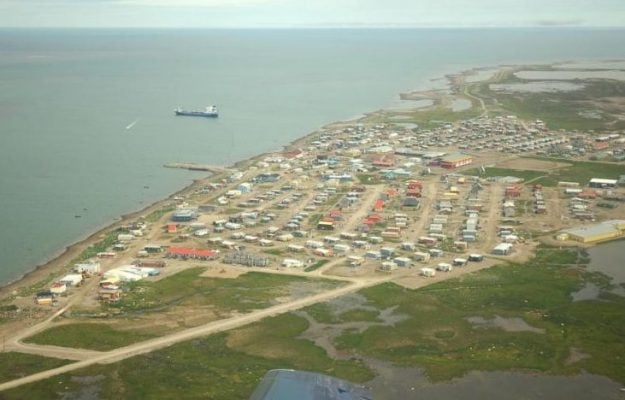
(129, 127)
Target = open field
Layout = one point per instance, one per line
(188, 288)
(540, 324)
(222, 366)
(93, 336)
(582, 172)
(566, 170)
(526, 175)
(16, 365)
(509, 317)
(531, 164)
(560, 109)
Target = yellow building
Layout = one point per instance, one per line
(600, 232)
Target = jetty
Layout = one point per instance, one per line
(197, 167)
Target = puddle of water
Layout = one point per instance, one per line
(409, 383)
(588, 292)
(608, 259)
(571, 74)
(407, 125)
(323, 335)
(460, 105)
(536, 87)
(620, 64)
(507, 324)
(481, 75)
(406, 105)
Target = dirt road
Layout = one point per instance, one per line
(165, 341)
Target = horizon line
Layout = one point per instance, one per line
(324, 27)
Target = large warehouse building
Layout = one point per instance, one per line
(600, 232)
(455, 160)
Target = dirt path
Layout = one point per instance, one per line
(427, 205)
(495, 195)
(366, 205)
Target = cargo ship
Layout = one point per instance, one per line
(210, 112)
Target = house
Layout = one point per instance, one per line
(183, 216)
(44, 298)
(476, 257)
(402, 261)
(153, 248)
(71, 280)
(323, 252)
(292, 263)
(87, 268)
(355, 261)
(602, 183)
(420, 256)
(109, 294)
(411, 201)
(444, 267)
(387, 252)
(326, 224)
(295, 248)
(503, 249)
(266, 178)
(387, 266)
(459, 262)
(436, 252)
(58, 288)
(187, 252)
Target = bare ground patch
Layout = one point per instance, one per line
(531, 164)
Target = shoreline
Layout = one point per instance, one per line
(64, 256)
(61, 258)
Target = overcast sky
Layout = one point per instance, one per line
(311, 13)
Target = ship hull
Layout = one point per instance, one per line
(197, 114)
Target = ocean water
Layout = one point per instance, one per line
(68, 96)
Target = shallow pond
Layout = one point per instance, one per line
(460, 105)
(394, 383)
(571, 74)
(609, 259)
(536, 87)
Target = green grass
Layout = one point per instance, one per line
(222, 366)
(322, 313)
(275, 252)
(574, 171)
(158, 214)
(359, 315)
(369, 179)
(17, 365)
(109, 239)
(316, 265)
(325, 314)
(432, 117)
(492, 172)
(438, 338)
(581, 172)
(91, 336)
(561, 110)
(248, 292)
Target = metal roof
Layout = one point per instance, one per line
(283, 384)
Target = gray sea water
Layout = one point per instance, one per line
(67, 97)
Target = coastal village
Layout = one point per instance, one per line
(358, 200)
(381, 203)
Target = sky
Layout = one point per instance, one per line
(311, 13)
